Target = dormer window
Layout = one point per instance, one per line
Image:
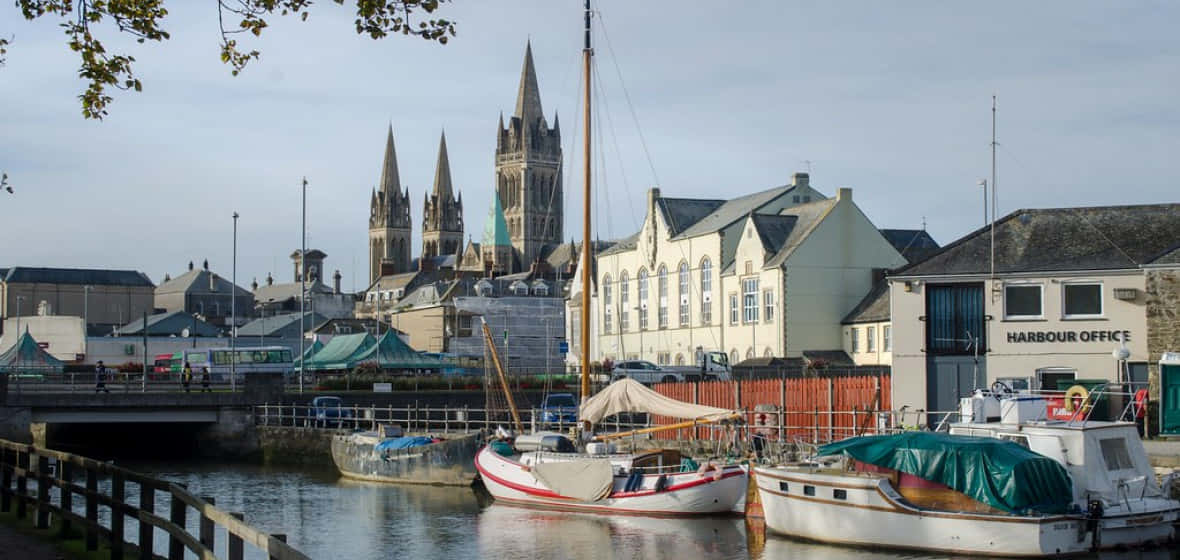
(519, 288)
(484, 288)
(540, 288)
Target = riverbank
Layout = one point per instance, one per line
(19, 539)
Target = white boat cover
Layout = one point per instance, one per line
(588, 480)
(628, 395)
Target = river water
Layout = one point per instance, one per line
(329, 517)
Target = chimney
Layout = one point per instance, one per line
(844, 193)
(205, 264)
(336, 283)
(212, 282)
(254, 285)
(270, 280)
(653, 194)
(801, 179)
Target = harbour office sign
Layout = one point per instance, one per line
(1068, 336)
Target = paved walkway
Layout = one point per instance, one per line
(16, 546)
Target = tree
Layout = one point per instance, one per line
(81, 21)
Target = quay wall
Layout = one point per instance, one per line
(288, 445)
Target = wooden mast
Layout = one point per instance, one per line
(586, 265)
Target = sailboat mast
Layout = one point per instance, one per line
(587, 266)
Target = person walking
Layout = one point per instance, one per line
(186, 376)
(205, 380)
(100, 378)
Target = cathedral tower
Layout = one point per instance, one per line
(389, 220)
(528, 172)
(442, 215)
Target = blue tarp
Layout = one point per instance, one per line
(403, 443)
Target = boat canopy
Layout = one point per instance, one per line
(628, 395)
(999, 473)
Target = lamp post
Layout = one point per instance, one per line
(302, 285)
(233, 313)
(18, 300)
(86, 320)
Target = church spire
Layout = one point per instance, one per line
(390, 182)
(442, 174)
(528, 96)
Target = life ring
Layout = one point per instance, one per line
(1141, 403)
(716, 469)
(1077, 392)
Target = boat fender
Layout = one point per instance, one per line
(661, 483)
(1081, 395)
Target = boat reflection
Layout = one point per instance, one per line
(510, 532)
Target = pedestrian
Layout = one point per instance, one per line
(205, 380)
(186, 376)
(1141, 398)
(100, 378)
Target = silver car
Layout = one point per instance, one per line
(644, 372)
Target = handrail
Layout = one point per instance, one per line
(21, 462)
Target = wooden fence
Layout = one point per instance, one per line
(22, 463)
(813, 409)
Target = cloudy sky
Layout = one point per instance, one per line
(889, 98)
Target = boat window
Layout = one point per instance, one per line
(1016, 438)
(808, 490)
(840, 494)
(1114, 452)
(783, 486)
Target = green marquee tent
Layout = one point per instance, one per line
(26, 356)
(341, 352)
(345, 352)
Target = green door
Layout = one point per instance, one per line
(1170, 399)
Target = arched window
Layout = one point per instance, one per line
(750, 353)
(707, 292)
(606, 303)
(624, 302)
(662, 286)
(767, 353)
(642, 277)
(682, 287)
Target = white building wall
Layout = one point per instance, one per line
(880, 355)
(61, 336)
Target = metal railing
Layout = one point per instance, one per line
(127, 382)
(47, 469)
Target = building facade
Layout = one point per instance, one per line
(106, 298)
(201, 292)
(1069, 289)
(442, 213)
(389, 220)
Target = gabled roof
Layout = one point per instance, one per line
(336, 326)
(773, 229)
(196, 281)
(1061, 239)
(807, 217)
(913, 244)
(874, 308)
(275, 325)
(173, 323)
(681, 213)
(1170, 256)
(286, 291)
(623, 245)
(733, 210)
(84, 276)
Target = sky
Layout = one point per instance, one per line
(892, 99)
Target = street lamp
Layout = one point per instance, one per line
(233, 313)
(86, 320)
(302, 286)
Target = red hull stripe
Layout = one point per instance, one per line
(604, 509)
(546, 493)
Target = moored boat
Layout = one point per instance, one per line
(1020, 488)
(422, 460)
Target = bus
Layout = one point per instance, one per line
(249, 360)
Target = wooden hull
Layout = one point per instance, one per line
(867, 511)
(449, 463)
(685, 495)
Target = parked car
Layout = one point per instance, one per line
(330, 411)
(645, 372)
(559, 408)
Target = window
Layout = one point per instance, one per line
(839, 494)
(767, 353)
(750, 354)
(782, 486)
(1023, 301)
(682, 284)
(887, 338)
(808, 490)
(663, 358)
(750, 300)
(680, 359)
(520, 288)
(855, 339)
(606, 322)
(706, 291)
(540, 288)
(870, 339)
(733, 357)
(624, 303)
(1114, 453)
(642, 299)
(1082, 300)
(662, 286)
(733, 309)
(606, 304)
(954, 319)
(768, 305)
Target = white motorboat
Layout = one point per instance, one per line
(1022, 487)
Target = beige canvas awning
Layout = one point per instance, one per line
(628, 395)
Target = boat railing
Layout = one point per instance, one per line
(1108, 400)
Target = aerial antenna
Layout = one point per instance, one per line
(807, 162)
(994, 208)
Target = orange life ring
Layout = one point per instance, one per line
(1080, 393)
(1141, 403)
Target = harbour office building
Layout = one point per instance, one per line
(1068, 287)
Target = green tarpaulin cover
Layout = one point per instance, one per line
(350, 350)
(341, 352)
(999, 473)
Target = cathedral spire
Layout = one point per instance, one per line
(442, 174)
(528, 96)
(390, 182)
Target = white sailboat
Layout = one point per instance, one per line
(543, 471)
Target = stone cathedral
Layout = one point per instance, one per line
(528, 205)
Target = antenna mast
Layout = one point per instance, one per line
(993, 225)
(586, 266)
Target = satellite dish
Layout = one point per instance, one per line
(184, 332)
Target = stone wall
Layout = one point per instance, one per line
(1162, 289)
(287, 445)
